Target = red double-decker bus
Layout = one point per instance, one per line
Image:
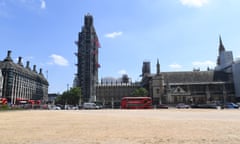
(3, 101)
(136, 103)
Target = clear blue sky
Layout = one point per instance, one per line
(182, 34)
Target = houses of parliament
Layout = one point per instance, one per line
(220, 84)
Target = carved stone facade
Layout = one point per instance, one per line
(194, 89)
(1, 83)
(22, 82)
(219, 85)
(191, 87)
(156, 86)
(110, 95)
(87, 55)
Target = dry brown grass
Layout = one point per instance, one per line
(120, 127)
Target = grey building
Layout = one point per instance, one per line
(110, 94)
(236, 78)
(111, 90)
(21, 82)
(87, 64)
(220, 84)
(1, 82)
(52, 98)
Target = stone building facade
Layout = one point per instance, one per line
(195, 87)
(110, 95)
(1, 83)
(87, 55)
(221, 84)
(192, 87)
(21, 82)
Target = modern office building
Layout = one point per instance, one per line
(21, 82)
(87, 63)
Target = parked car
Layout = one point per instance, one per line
(71, 107)
(90, 106)
(162, 106)
(182, 105)
(205, 106)
(61, 106)
(56, 108)
(231, 105)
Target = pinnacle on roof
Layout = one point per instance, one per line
(8, 58)
(20, 61)
(158, 67)
(221, 46)
(88, 20)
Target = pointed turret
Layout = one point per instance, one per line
(158, 67)
(221, 46)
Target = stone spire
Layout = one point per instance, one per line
(158, 67)
(221, 46)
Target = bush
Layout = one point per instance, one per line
(4, 107)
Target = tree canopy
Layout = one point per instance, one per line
(71, 96)
(140, 92)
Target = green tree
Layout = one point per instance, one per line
(140, 92)
(71, 97)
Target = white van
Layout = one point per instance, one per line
(90, 106)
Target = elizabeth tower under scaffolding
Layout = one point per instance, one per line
(87, 66)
